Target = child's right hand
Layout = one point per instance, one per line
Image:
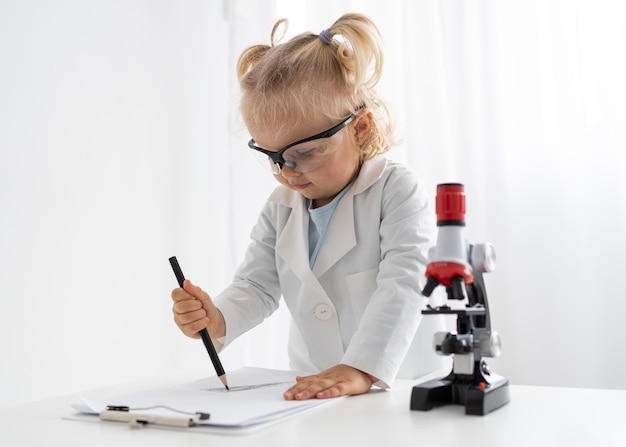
(194, 310)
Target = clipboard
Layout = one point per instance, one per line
(136, 418)
(255, 400)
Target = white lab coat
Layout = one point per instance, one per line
(361, 303)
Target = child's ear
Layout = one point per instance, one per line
(362, 127)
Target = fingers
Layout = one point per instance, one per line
(317, 386)
(195, 291)
(190, 317)
(337, 381)
(188, 309)
(194, 310)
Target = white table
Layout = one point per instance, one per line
(535, 416)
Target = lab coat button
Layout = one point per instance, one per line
(323, 311)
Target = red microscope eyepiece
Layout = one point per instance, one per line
(450, 204)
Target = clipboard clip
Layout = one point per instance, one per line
(136, 419)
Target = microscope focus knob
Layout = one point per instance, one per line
(483, 257)
(490, 344)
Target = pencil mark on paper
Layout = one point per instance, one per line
(244, 387)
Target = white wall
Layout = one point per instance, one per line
(111, 130)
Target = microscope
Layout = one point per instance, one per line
(458, 266)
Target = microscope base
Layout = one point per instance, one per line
(452, 390)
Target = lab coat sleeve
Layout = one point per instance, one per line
(254, 293)
(390, 320)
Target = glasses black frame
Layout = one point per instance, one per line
(277, 157)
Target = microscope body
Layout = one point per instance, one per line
(458, 266)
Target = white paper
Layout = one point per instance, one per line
(255, 397)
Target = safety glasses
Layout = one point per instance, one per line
(301, 156)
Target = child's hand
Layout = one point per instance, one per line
(339, 380)
(193, 311)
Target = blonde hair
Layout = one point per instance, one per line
(313, 76)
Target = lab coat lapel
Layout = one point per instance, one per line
(291, 246)
(340, 236)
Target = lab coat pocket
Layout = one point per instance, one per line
(361, 287)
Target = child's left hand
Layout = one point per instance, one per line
(337, 381)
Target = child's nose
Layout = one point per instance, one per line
(288, 172)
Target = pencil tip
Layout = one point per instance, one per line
(224, 381)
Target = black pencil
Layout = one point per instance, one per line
(204, 334)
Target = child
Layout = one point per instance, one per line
(344, 238)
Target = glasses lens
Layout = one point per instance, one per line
(309, 156)
(266, 162)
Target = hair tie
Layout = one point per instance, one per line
(326, 36)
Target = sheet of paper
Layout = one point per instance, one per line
(255, 397)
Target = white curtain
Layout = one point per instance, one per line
(523, 102)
